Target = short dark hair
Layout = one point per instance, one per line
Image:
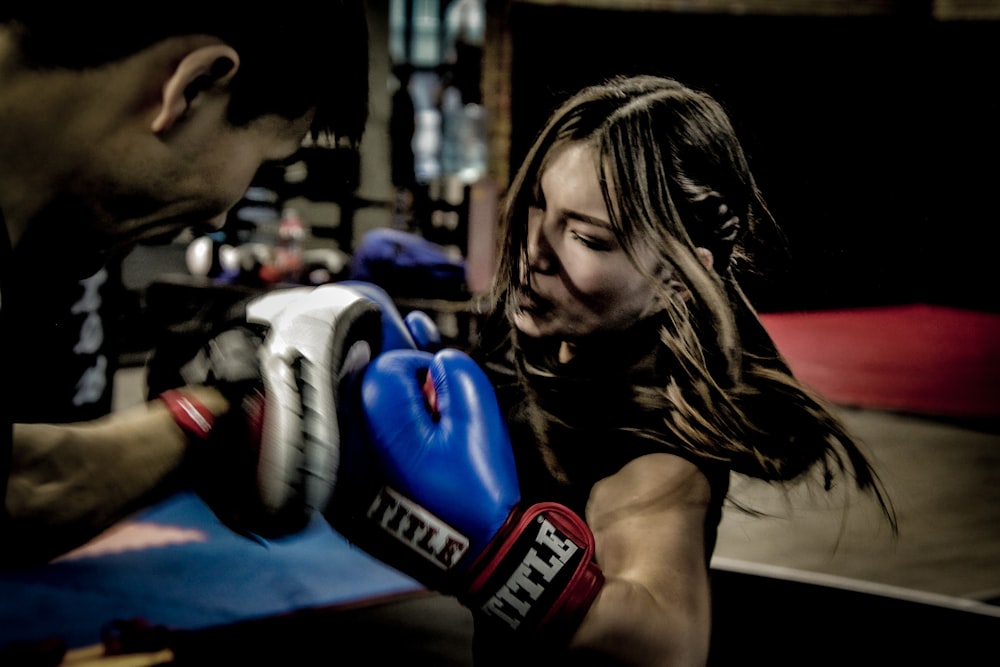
(295, 55)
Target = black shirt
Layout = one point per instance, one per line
(593, 425)
(6, 424)
(595, 422)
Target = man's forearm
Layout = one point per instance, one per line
(68, 483)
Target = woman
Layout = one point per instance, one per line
(635, 374)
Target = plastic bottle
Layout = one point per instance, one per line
(288, 253)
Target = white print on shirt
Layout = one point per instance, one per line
(94, 380)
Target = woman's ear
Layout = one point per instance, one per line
(705, 256)
(197, 71)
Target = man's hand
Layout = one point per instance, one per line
(269, 463)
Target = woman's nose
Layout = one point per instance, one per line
(541, 258)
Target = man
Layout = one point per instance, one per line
(118, 125)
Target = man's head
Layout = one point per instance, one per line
(294, 55)
(135, 123)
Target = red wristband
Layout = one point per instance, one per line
(189, 413)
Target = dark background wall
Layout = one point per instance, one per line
(875, 139)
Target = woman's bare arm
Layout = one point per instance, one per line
(648, 523)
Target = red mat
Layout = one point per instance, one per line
(917, 358)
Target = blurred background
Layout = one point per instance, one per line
(870, 125)
(872, 128)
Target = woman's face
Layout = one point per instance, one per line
(581, 280)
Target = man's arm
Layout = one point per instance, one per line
(68, 483)
(648, 524)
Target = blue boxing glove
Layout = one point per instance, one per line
(415, 331)
(429, 486)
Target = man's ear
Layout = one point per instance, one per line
(198, 71)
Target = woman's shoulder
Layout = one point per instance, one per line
(659, 479)
(668, 495)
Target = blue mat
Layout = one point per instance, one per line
(222, 578)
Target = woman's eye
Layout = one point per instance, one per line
(592, 243)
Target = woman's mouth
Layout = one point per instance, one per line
(529, 301)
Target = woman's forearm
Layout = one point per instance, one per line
(630, 626)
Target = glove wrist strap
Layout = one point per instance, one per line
(539, 574)
(189, 413)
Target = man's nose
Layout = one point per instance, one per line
(218, 221)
